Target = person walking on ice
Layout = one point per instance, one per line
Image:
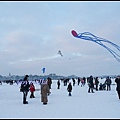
(69, 89)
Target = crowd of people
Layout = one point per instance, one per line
(45, 89)
(93, 84)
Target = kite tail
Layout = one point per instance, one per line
(91, 37)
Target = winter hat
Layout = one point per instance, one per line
(27, 75)
(118, 76)
(31, 83)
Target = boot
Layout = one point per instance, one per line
(44, 103)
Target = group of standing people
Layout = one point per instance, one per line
(108, 82)
(91, 84)
(45, 89)
(46, 86)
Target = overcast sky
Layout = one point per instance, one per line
(32, 33)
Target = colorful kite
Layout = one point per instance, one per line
(91, 37)
(43, 70)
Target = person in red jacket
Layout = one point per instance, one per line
(32, 90)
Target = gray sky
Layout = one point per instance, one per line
(32, 33)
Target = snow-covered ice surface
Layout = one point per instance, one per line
(101, 104)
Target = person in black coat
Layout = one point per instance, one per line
(101, 86)
(90, 84)
(96, 83)
(69, 89)
(73, 81)
(25, 89)
(117, 80)
(58, 84)
(78, 80)
(108, 82)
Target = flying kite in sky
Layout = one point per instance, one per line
(91, 37)
(60, 53)
(43, 70)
